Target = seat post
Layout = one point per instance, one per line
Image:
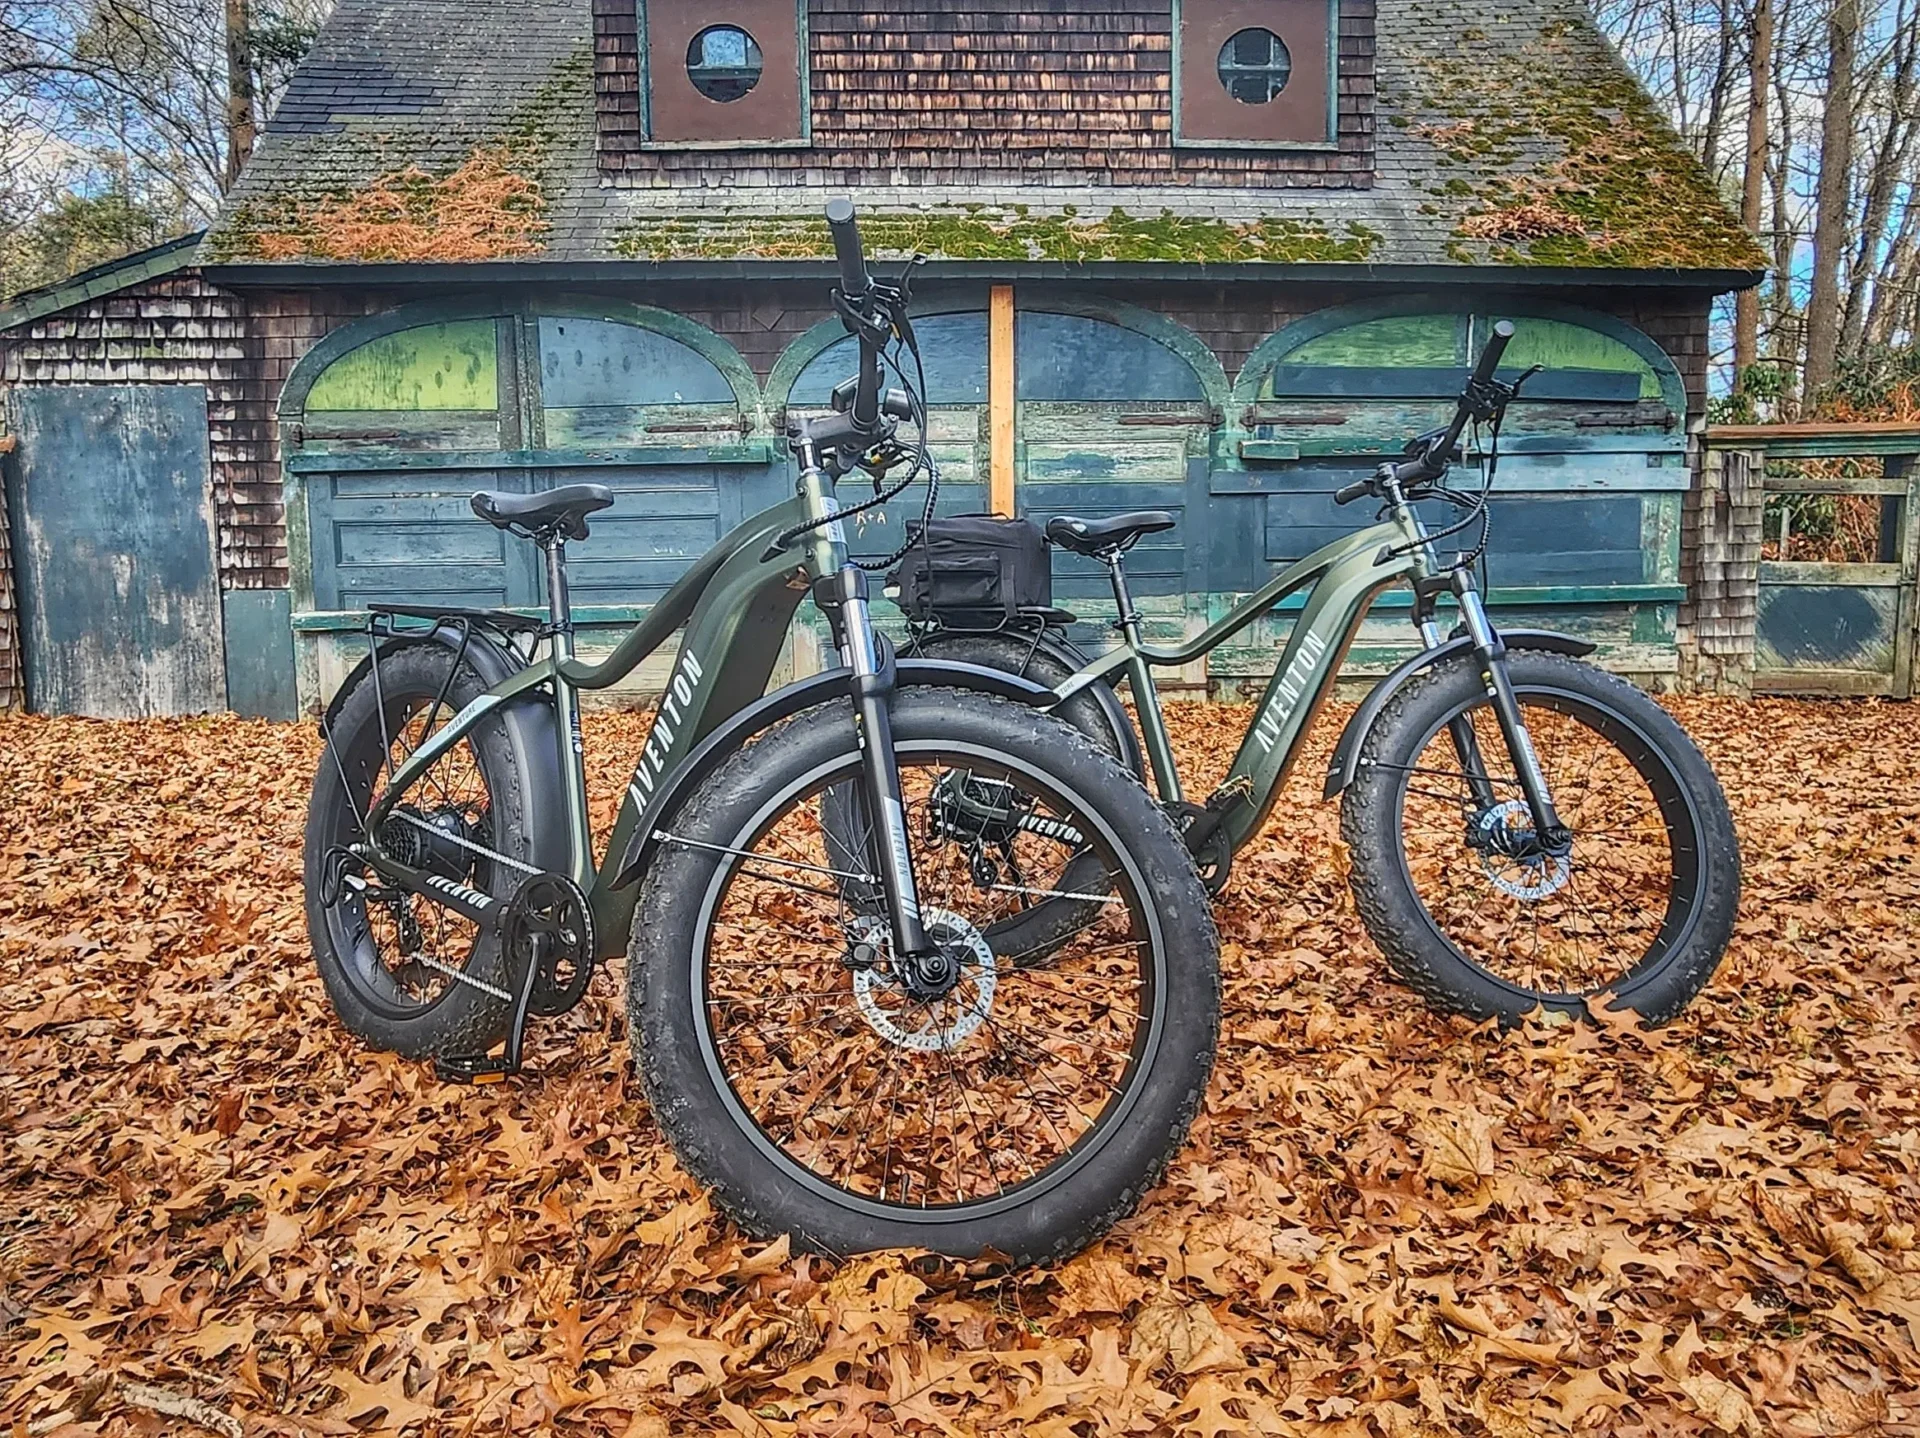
(1129, 617)
(559, 603)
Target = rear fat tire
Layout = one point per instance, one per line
(1370, 825)
(762, 1194)
(1011, 654)
(462, 1019)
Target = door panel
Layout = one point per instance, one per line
(114, 551)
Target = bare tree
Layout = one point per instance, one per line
(1746, 323)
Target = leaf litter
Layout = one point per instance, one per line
(223, 1214)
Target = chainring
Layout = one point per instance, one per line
(550, 925)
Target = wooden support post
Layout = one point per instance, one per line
(1000, 399)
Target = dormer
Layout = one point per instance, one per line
(1258, 93)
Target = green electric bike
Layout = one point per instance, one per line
(910, 962)
(1525, 830)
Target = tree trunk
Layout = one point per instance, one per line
(1891, 168)
(1784, 335)
(1832, 199)
(1746, 315)
(240, 121)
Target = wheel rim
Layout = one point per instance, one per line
(403, 954)
(1023, 1072)
(1540, 926)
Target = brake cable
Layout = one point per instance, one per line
(923, 460)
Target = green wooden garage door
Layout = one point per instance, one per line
(392, 427)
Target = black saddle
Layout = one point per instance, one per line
(560, 513)
(1106, 536)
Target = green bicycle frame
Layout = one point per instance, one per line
(736, 604)
(1346, 577)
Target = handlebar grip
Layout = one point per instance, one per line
(1348, 493)
(846, 245)
(1490, 356)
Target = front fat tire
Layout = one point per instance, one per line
(763, 1197)
(1370, 825)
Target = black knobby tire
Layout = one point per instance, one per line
(695, 1098)
(1013, 653)
(1685, 930)
(352, 943)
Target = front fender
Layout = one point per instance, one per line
(1346, 754)
(784, 703)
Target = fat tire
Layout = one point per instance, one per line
(764, 1199)
(1370, 825)
(462, 1020)
(1013, 655)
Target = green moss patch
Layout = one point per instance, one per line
(1625, 192)
(976, 232)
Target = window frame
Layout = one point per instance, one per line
(804, 59)
(1182, 140)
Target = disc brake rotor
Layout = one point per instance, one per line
(1530, 878)
(905, 1021)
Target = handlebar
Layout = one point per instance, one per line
(1483, 374)
(856, 295)
(854, 281)
(1432, 460)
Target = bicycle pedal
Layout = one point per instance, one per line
(473, 1068)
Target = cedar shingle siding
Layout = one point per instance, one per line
(989, 90)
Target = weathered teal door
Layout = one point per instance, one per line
(113, 545)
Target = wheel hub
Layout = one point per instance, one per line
(1515, 861)
(941, 1004)
(435, 840)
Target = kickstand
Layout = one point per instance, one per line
(484, 1068)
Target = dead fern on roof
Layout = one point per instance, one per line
(486, 209)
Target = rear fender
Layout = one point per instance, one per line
(527, 719)
(784, 703)
(1345, 763)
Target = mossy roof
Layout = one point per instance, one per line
(1507, 134)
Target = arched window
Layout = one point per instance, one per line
(390, 424)
(1068, 357)
(1426, 353)
(953, 348)
(1593, 455)
(433, 386)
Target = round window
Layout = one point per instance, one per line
(723, 62)
(1254, 66)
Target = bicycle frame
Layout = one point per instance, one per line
(736, 604)
(1345, 578)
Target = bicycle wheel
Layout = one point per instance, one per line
(1015, 653)
(1469, 913)
(819, 1092)
(403, 972)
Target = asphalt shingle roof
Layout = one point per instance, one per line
(1505, 133)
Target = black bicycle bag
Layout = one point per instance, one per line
(975, 570)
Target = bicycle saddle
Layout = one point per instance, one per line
(1099, 536)
(561, 511)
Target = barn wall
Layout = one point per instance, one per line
(178, 329)
(181, 330)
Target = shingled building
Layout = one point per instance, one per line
(1213, 256)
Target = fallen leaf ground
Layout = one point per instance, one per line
(1385, 1223)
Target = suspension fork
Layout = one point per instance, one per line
(843, 595)
(1492, 654)
(1466, 743)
